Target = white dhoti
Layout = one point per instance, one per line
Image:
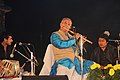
(61, 70)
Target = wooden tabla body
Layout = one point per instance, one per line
(9, 68)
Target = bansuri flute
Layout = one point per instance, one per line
(80, 34)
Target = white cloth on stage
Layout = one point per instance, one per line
(61, 70)
(20, 78)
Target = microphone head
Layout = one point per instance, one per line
(73, 27)
(15, 45)
(11, 55)
(107, 33)
(20, 43)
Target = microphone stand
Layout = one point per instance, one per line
(32, 65)
(118, 49)
(81, 50)
(32, 57)
(31, 60)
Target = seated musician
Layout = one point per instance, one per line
(8, 67)
(5, 42)
(105, 53)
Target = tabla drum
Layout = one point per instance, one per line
(9, 68)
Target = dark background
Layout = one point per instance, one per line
(34, 20)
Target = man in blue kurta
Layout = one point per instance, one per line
(66, 50)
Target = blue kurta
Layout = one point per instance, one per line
(61, 44)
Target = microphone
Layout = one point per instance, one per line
(20, 43)
(13, 50)
(107, 33)
(112, 40)
(73, 28)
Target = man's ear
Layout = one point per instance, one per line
(5, 39)
(60, 24)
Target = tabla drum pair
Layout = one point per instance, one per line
(9, 68)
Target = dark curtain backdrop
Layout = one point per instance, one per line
(34, 20)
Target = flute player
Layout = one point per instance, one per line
(67, 62)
